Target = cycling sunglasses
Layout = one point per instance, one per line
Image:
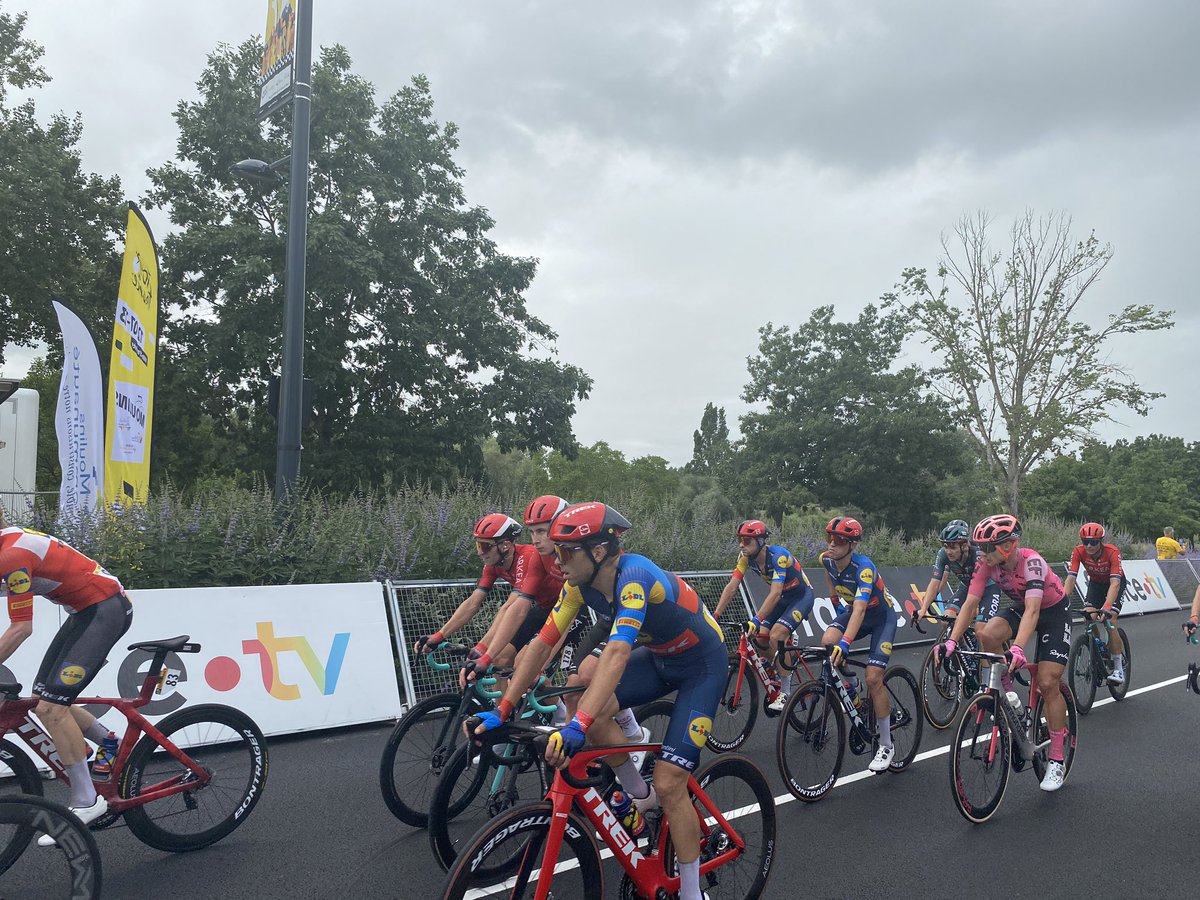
(563, 552)
(992, 546)
(1091, 542)
(485, 546)
(837, 540)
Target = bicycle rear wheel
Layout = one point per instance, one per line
(1081, 671)
(810, 742)
(1119, 691)
(414, 755)
(1041, 732)
(737, 709)
(18, 777)
(223, 741)
(979, 759)
(511, 846)
(73, 871)
(738, 788)
(941, 692)
(907, 720)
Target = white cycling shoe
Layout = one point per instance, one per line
(1056, 773)
(1117, 677)
(85, 814)
(776, 706)
(639, 756)
(883, 759)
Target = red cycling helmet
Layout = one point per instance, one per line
(1091, 531)
(844, 527)
(543, 510)
(755, 529)
(496, 527)
(588, 523)
(996, 529)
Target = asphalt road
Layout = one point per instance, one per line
(1120, 826)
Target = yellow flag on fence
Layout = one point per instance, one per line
(131, 369)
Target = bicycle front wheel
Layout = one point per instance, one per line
(511, 846)
(1118, 691)
(74, 871)
(1041, 732)
(907, 720)
(1081, 671)
(810, 742)
(414, 755)
(737, 709)
(224, 742)
(941, 692)
(979, 759)
(18, 777)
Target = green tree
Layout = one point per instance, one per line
(600, 472)
(418, 339)
(58, 224)
(1021, 371)
(841, 427)
(712, 449)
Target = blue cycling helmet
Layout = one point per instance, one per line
(956, 531)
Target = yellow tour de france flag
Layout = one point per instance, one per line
(131, 369)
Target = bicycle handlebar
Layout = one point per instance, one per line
(449, 649)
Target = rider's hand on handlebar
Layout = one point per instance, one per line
(838, 652)
(429, 643)
(477, 663)
(944, 649)
(1017, 652)
(1190, 626)
(567, 741)
(487, 721)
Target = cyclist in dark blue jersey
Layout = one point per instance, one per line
(855, 583)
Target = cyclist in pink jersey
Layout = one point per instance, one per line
(1040, 607)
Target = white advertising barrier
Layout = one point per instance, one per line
(292, 657)
(1146, 590)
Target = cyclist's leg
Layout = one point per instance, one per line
(784, 625)
(880, 624)
(1115, 647)
(1053, 649)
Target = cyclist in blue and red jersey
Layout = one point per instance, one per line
(855, 584)
(788, 602)
(663, 639)
(1040, 608)
(1106, 587)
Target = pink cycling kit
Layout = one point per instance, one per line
(1031, 580)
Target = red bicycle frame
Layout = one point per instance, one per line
(749, 655)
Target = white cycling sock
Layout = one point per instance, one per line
(631, 779)
(82, 792)
(629, 723)
(885, 731)
(560, 713)
(1118, 660)
(96, 732)
(689, 880)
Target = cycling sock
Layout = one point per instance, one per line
(689, 880)
(1118, 660)
(560, 713)
(785, 686)
(83, 793)
(96, 732)
(885, 731)
(629, 724)
(1057, 738)
(631, 779)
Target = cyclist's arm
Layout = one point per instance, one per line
(1114, 589)
(966, 615)
(465, 613)
(1196, 604)
(935, 587)
(726, 596)
(529, 667)
(856, 620)
(1029, 619)
(507, 622)
(1069, 586)
(17, 632)
(606, 678)
(772, 599)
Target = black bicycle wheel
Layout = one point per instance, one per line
(473, 790)
(810, 742)
(941, 692)
(738, 788)
(73, 871)
(979, 759)
(1081, 671)
(1119, 691)
(18, 777)
(737, 710)
(223, 741)
(511, 846)
(1041, 732)
(907, 721)
(414, 755)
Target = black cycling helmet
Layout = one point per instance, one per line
(956, 531)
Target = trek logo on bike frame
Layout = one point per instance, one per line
(608, 820)
(41, 742)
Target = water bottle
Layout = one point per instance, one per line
(1013, 700)
(106, 753)
(852, 686)
(627, 814)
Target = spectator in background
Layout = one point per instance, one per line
(1166, 546)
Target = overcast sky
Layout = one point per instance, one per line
(687, 171)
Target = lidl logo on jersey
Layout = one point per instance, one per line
(19, 582)
(633, 597)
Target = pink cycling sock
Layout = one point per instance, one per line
(1056, 744)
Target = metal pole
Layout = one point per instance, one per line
(291, 381)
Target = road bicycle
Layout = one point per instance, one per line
(180, 785)
(75, 871)
(548, 848)
(1193, 671)
(993, 739)
(738, 708)
(812, 738)
(1091, 663)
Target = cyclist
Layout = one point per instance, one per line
(663, 639)
(1106, 587)
(1041, 608)
(959, 556)
(788, 602)
(1166, 547)
(1189, 627)
(99, 613)
(857, 586)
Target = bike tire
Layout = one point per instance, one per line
(811, 742)
(75, 870)
(734, 719)
(1041, 732)
(979, 759)
(1119, 691)
(18, 777)
(941, 693)
(518, 837)
(412, 758)
(1081, 671)
(224, 741)
(734, 783)
(908, 720)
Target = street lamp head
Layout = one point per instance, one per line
(257, 171)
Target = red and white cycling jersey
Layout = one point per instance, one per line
(35, 563)
(1107, 566)
(527, 576)
(1031, 580)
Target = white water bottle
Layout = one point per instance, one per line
(1013, 700)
